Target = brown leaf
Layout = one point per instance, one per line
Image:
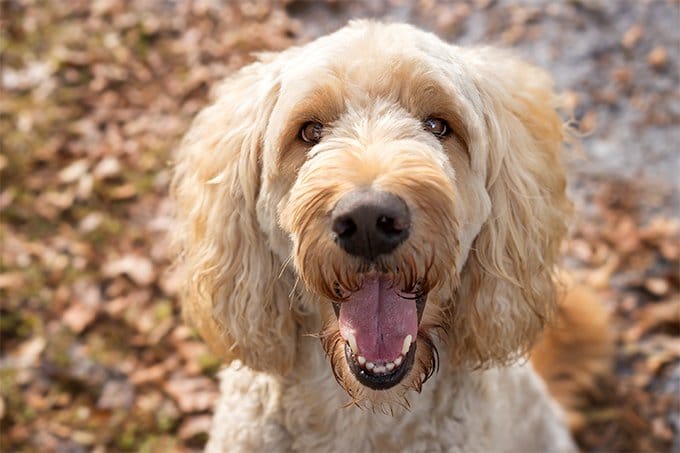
(192, 394)
(85, 307)
(632, 36)
(150, 374)
(28, 353)
(138, 268)
(60, 200)
(74, 171)
(118, 305)
(599, 278)
(654, 315)
(661, 227)
(194, 425)
(658, 58)
(78, 316)
(18, 433)
(661, 429)
(11, 280)
(90, 222)
(123, 192)
(657, 286)
(624, 236)
(623, 76)
(589, 122)
(116, 394)
(107, 168)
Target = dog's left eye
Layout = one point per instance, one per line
(311, 132)
(436, 126)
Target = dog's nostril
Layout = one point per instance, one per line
(388, 225)
(344, 227)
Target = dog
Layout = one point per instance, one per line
(369, 227)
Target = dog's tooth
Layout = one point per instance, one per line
(353, 343)
(370, 365)
(379, 369)
(361, 359)
(389, 366)
(397, 361)
(407, 344)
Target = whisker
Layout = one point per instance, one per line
(284, 265)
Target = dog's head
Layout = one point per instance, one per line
(411, 189)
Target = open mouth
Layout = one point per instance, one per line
(379, 323)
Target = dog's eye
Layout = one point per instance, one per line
(436, 126)
(311, 132)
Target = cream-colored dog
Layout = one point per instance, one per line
(380, 210)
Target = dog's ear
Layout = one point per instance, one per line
(507, 290)
(232, 292)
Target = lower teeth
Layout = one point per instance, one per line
(383, 368)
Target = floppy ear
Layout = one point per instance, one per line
(232, 292)
(507, 290)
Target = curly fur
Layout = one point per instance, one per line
(489, 209)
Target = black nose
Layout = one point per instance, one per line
(369, 223)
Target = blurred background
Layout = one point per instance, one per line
(95, 96)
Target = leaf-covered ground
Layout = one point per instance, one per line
(95, 95)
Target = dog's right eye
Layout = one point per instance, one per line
(311, 132)
(436, 126)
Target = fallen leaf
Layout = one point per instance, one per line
(657, 286)
(60, 200)
(632, 36)
(600, 278)
(11, 280)
(194, 425)
(118, 305)
(653, 315)
(74, 171)
(192, 394)
(90, 222)
(123, 192)
(658, 58)
(150, 374)
(589, 122)
(78, 316)
(138, 268)
(27, 353)
(116, 394)
(107, 168)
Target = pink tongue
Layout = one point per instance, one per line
(380, 317)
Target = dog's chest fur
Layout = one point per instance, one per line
(494, 410)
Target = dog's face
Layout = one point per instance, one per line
(368, 153)
(393, 176)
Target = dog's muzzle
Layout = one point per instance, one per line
(379, 320)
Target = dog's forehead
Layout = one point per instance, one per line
(366, 62)
(366, 55)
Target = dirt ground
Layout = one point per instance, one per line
(95, 96)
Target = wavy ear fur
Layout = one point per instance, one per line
(232, 292)
(507, 290)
